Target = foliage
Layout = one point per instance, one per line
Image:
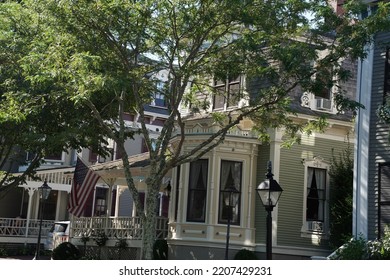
(99, 59)
(36, 114)
(100, 238)
(85, 238)
(121, 243)
(383, 113)
(245, 254)
(361, 249)
(3, 252)
(380, 249)
(341, 200)
(355, 249)
(160, 249)
(66, 251)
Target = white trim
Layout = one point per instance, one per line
(35, 185)
(316, 236)
(361, 150)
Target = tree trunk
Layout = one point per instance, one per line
(149, 225)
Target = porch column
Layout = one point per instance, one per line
(30, 196)
(110, 183)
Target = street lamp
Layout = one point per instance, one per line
(230, 196)
(269, 192)
(44, 192)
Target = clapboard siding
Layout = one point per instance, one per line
(291, 178)
(379, 145)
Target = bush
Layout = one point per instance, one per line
(66, 251)
(341, 192)
(361, 249)
(160, 250)
(245, 254)
(355, 249)
(100, 238)
(3, 252)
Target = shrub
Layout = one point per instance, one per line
(361, 249)
(380, 249)
(245, 254)
(341, 192)
(3, 252)
(100, 238)
(66, 251)
(355, 249)
(160, 249)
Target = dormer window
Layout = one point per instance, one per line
(159, 98)
(321, 96)
(227, 93)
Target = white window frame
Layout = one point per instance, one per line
(315, 229)
(227, 86)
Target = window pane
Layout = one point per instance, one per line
(234, 94)
(231, 175)
(197, 191)
(219, 97)
(316, 194)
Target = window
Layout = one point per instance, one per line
(227, 93)
(319, 96)
(58, 157)
(55, 157)
(315, 212)
(159, 99)
(315, 199)
(100, 202)
(231, 175)
(197, 191)
(386, 88)
(384, 198)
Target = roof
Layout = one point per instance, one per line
(140, 160)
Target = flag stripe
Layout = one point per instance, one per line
(84, 181)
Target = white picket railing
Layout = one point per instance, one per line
(115, 227)
(18, 227)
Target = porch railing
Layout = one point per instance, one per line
(23, 228)
(115, 227)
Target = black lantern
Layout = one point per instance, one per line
(269, 192)
(44, 192)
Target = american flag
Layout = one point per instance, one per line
(84, 181)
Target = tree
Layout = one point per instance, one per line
(341, 199)
(35, 116)
(105, 55)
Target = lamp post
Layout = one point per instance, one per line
(269, 192)
(44, 192)
(230, 197)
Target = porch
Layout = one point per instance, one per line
(129, 228)
(17, 230)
